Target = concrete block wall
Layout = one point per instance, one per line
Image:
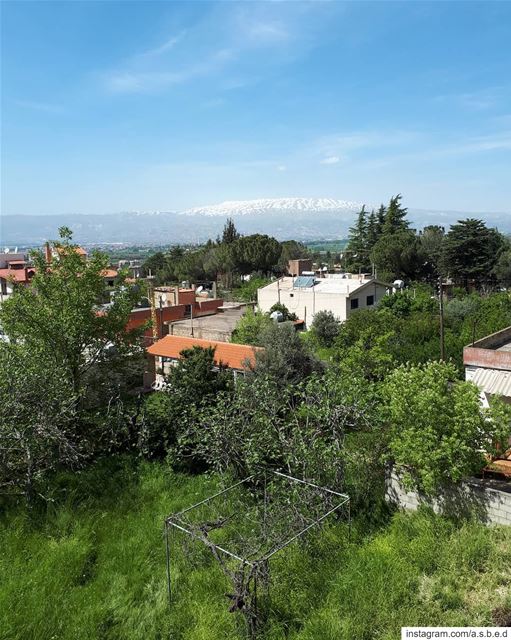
(489, 500)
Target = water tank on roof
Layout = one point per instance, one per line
(277, 316)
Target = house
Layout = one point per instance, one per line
(14, 270)
(488, 365)
(164, 353)
(306, 295)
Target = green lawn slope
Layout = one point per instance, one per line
(92, 566)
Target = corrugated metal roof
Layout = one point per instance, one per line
(493, 381)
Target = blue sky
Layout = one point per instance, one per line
(112, 106)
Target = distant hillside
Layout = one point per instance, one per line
(285, 218)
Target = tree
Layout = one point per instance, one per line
(285, 357)
(395, 215)
(396, 256)
(438, 433)
(37, 421)
(358, 241)
(59, 315)
(194, 382)
(256, 253)
(230, 233)
(372, 231)
(292, 250)
(502, 269)
(470, 251)
(250, 327)
(430, 246)
(325, 328)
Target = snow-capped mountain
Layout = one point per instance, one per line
(263, 205)
(284, 218)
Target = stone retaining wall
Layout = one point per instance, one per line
(489, 500)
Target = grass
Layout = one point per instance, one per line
(93, 567)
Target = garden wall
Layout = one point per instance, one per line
(489, 500)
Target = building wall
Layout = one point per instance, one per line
(297, 267)
(490, 500)
(307, 302)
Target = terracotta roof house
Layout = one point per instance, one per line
(163, 353)
(15, 272)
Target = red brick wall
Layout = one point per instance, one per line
(488, 358)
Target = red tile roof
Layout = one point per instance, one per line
(234, 356)
(109, 273)
(17, 275)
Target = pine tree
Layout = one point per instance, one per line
(380, 220)
(230, 233)
(372, 230)
(358, 233)
(357, 245)
(395, 217)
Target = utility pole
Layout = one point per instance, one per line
(441, 305)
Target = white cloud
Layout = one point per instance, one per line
(144, 81)
(281, 167)
(163, 48)
(331, 160)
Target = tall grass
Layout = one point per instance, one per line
(93, 567)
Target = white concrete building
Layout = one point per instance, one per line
(306, 295)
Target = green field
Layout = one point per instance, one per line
(92, 566)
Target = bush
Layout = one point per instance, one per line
(325, 328)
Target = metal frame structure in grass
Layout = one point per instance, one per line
(274, 510)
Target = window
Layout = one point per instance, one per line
(369, 301)
(354, 303)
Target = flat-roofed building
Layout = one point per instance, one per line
(342, 294)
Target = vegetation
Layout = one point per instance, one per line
(99, 466)
(449, 435)
(469, 253)
(94, 567)
(227, 259)
(67, 366)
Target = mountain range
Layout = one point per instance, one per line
(284, 218)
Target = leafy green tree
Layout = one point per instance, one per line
(250, 327)
(438, 432)
(195, 381)
(396, 255)
(292, 250)
(325, 328)
(470, 251)
(502, 268)
(58, 315)
(38, 432)
(285, 357)
(247, 291)
(256, 253)
(155, 264)
(430, 246)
